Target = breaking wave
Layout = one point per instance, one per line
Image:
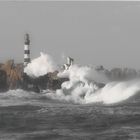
(85, 85)
(79, 93)
(112, 93)
(41, 66)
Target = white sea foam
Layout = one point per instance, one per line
(89, 93)
(83, 86)
(41, 66)
(114, 92)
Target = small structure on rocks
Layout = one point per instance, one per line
(69, 63)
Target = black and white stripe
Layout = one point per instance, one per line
(26, 50)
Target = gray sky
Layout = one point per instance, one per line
(106, 33)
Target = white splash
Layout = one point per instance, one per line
(41, 66)
(83, 87)
(114, 92)
(83, 73)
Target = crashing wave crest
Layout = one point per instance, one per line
(83, 87)
(114, 92)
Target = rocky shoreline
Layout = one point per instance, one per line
(12, 77)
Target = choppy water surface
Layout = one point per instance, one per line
(31, 116)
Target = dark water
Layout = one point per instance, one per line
(34, 117)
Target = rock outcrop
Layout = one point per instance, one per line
(48, 81)
(3, 81)
(13, 73)
(12, 77)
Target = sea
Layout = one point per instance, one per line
(33, 116)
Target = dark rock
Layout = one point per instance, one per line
(3, 81)
(48, 81)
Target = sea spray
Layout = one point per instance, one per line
(114, 92)
(41, 66)
(85, 84)
(85, 93)
(83, 73)
(83, 80)
(83, 87)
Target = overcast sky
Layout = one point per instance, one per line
(97, 33)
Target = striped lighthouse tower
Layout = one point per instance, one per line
(26, 50)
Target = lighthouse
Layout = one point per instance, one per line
(26, 50)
